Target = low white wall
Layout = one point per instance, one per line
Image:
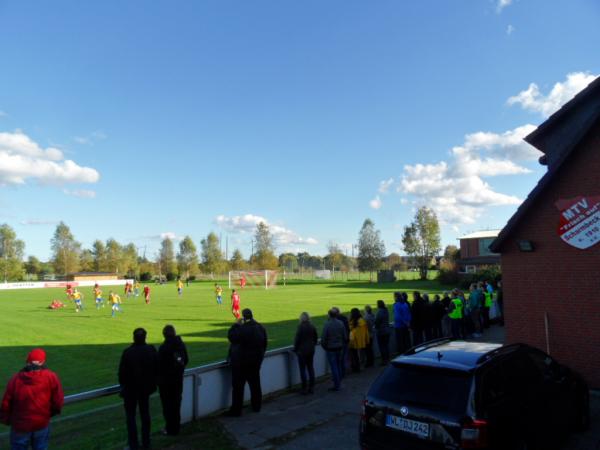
(207, 389)
(60, 284)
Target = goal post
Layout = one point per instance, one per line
(252, 278)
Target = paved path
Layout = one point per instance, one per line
(330, 419)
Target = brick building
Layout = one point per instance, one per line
(549, 249)
(475, 251)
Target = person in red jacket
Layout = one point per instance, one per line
(32, 396)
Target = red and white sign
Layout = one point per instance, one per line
(579, 224)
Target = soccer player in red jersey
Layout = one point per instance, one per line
(235, 304)
(147, 293)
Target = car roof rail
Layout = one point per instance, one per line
(498, 351)
(426, 345)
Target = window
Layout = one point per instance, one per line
(484, 245)
(438, 388)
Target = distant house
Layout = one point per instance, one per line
(475, 252)
(92, 276)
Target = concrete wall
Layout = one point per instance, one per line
(557, 279)
(207, 389)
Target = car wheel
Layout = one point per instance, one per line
(583, 412)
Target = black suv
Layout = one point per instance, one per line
(471, 395)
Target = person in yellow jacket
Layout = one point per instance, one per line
(359, 337)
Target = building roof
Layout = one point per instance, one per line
(557, 137)
(481, 234)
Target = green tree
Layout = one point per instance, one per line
(65, 250)
(99, 254)
(237, 261)
(33, 266)
(86, 261)
(289, 262)
(264, 257)
(129, 261)
(11, 254)
(212, 257)
(166, 258)
(187, 258)
(451, 253)
(371, 248)
(114, 257)
(395, 262)
(421, 239)
(335, 257)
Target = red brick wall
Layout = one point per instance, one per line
(557, 278)
(469, 248)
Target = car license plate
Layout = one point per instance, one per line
(409, 426)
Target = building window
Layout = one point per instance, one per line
(484, 247)
(470, 269)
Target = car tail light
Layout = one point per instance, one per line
(474, 434)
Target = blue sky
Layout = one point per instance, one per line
(136, 119)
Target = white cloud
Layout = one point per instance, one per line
(384, 186)
(532, 99)
(456, 189)
(375, 203)
(21, 159)
(39, 222)
(502, 4)
(510, 30)
(3, 113)
(91, 138)
(81, 193)
(160, 237)
(247, 223)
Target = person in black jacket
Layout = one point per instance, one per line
(304, 347)
(248, 341)
(172, 359)
(137, 377)
(419, 317)
(382, 331)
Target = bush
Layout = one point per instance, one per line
(171, 276)
(145, 276)
(448, 273)
(487, 273)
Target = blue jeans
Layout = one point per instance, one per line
(20, 440)
(335, 362)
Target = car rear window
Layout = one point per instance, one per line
(443, 389)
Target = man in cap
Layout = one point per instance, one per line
(32, 396)
(248, 341)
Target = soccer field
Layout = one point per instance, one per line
(84, 348)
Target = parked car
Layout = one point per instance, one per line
(471, 395)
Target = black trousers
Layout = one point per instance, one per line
(306, 365)
(369, 353)
(170, 397)
(383, 341)
(132, 402)
(240, 375)
(402, 339)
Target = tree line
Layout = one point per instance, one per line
(421, 242)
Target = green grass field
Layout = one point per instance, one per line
(84, 348)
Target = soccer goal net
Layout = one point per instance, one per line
(252, 278)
